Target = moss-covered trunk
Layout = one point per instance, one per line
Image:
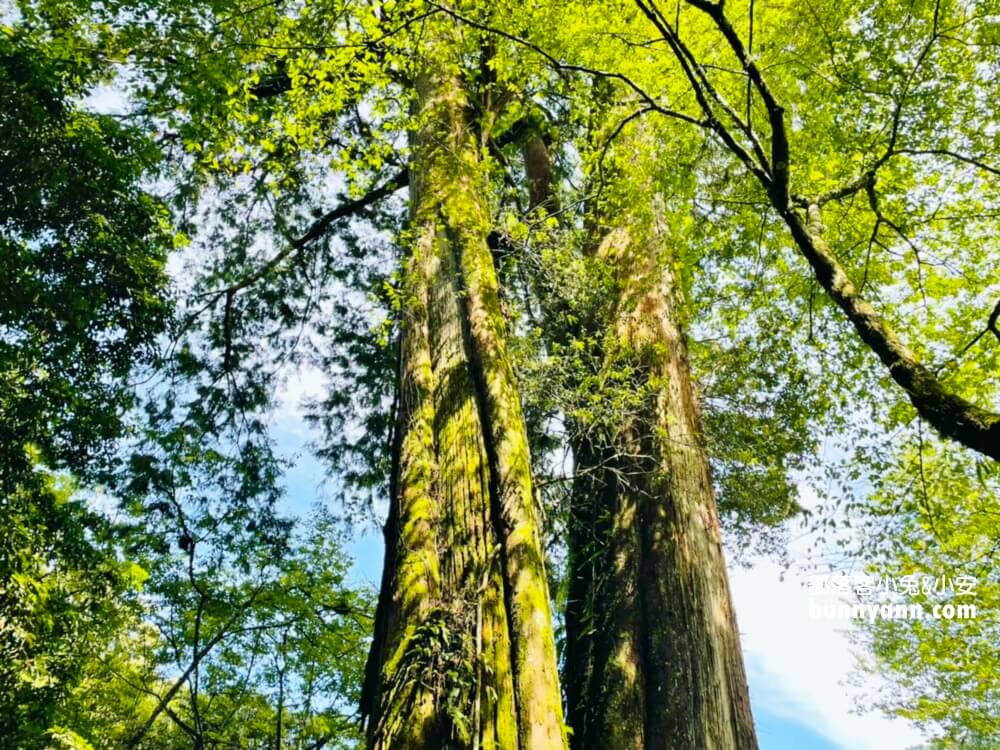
(653, 655)
(464, 653)
(653, 658)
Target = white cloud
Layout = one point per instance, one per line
(798, 666)
(303, 383)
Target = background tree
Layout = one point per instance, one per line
(931, 526)
(83, 299)
(91, 639)
(609, 291)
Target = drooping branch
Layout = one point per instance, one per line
(705, 94)
(950, 414)
(316, 231)
(562, 66)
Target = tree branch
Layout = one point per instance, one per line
(196, 659)
(322, 224)
(560, 65)
(951, 415)
(978, 163)
(315, 232)
(775, 112)
(991, 326)
(702, 89)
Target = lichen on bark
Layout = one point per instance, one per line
(464, 650)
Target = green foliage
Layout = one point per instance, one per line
(934, 517)
(357, 349)
(82, 300)
(64, 595)
(255, 636)
(272, 114)
(83, 249)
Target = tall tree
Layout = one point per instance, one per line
(653, 648)
(653, 656)
(82, 300)
(464, 649)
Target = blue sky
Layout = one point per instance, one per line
(778, 733)
(797, 667)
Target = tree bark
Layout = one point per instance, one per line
(464, 650)
(653, 658)
(653, 655)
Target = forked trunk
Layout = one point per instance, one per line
(464, 652)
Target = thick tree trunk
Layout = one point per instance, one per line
(653, 658)
(653, 653)
(464, 652)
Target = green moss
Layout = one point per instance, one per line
(464, 480)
